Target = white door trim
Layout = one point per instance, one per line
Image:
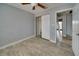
(58, 11)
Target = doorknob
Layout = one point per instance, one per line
(78, 34)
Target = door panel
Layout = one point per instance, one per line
(75, 34)
(45, 26)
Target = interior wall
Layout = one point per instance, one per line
(15, 24)
(69, 24)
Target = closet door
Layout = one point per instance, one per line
(45, 26)
(75, 33)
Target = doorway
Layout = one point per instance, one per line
(38, 27)
(64, 27)
(43, 26)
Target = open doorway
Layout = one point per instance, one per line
(38, 26)
(64, 27)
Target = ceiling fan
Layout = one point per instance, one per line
(34, 5)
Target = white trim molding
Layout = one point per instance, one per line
(58, 11)
(51, 40)
(16, 42)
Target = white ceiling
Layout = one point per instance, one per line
(38, 9)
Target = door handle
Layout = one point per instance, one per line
(78, 34)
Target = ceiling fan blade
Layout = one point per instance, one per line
(42, 6)
(33, 8)
(25, 3)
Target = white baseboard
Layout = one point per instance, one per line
(51, 40)
(13, 43)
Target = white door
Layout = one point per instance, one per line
(75, 29)
(45, 26)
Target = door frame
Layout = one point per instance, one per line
(58, 11)
(37, 23)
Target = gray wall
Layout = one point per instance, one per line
(15, 24)
(69, 24)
